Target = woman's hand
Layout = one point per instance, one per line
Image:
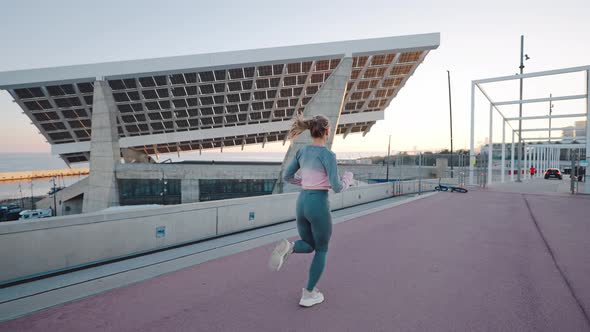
(347, 177)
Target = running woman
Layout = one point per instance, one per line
(319, 173)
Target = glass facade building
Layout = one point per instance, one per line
(215, 189)
(149, 191)
(168, 191)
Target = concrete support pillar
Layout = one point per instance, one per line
(542, 162)
(547, 157)
(545, 154)
(472, 137)
(503, 151)
(536, 163)
(105, 154)
(529, 161)
(587, 133)
(539, 160)
(491, 146)
(535, 156)
(585, 186)
(526, 161)
(328, 101)
(532, 158)
(512, 159)
(533, 151)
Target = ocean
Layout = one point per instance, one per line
(10, 162)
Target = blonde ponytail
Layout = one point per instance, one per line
(299, 125)
(316, 125)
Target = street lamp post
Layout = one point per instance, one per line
(451, 122)
(522, 58)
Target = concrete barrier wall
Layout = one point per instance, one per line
(367, 194)
(30, 248)
(253, 212)
(48, 245)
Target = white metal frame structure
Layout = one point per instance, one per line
(212, 101)
(542, 152)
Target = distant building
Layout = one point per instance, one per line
(364, 161)
(577, 130)
(497, 151)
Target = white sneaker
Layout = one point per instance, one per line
(280, 254)
(309, 299)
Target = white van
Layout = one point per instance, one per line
(35, 214)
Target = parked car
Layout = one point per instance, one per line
(35, 214)
(553, 173)
(9, 212)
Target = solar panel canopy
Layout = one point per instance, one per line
(211, 101)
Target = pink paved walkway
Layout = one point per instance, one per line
(451, 262)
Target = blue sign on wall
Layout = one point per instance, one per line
(160, 231)
(251, 216)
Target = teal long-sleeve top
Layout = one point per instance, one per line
(318, 170)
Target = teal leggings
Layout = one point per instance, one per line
(314, 224)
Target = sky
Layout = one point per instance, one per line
(478, 40)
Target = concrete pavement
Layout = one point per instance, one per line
(482, 261)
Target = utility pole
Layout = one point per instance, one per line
(388, 152)
(573, 172)
(451, 122)
(22, 202)
(54, 212)
(518, 161)
(32, 204)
